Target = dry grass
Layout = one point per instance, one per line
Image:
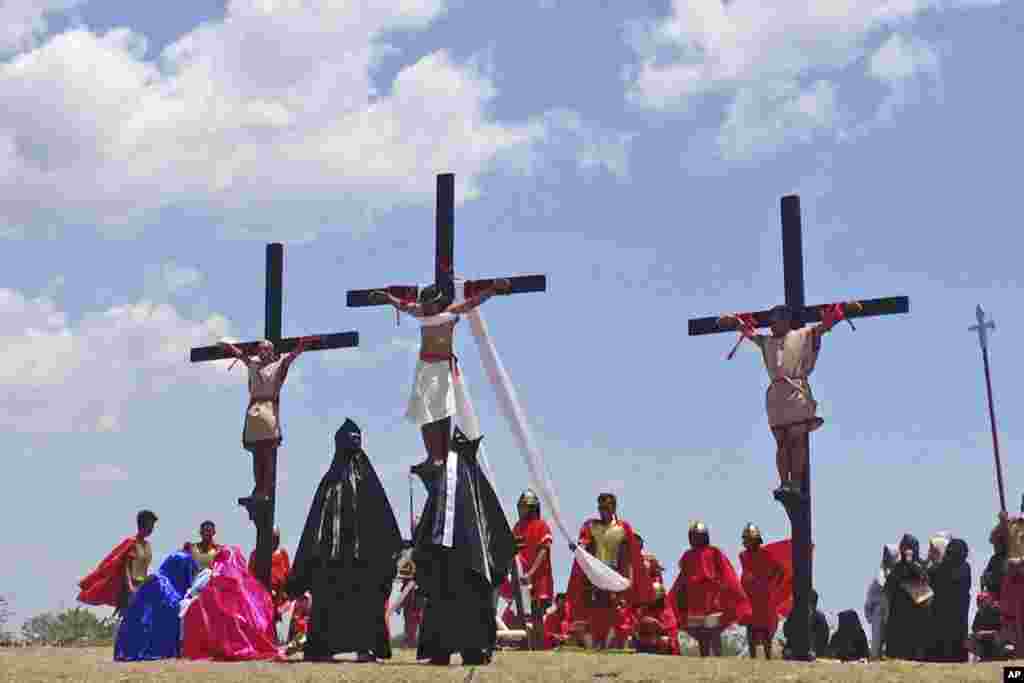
(94, 665)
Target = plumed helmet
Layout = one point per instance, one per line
(699, 534)
(348, 436)
(529, 499)
(659, 590)
(751, 533)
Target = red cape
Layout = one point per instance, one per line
(106, 583)
(709, 584)
(665, 617)
(640, 592)
(768, 581)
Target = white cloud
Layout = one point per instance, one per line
(103, 474)
(169, 278)
(902, 63)
(81, 377)
(241, 119)
(770, 59)
(24, 22)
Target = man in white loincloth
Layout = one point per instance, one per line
(432, 403)
(789, 357)
(261, 434)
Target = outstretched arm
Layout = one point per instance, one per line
(834, 314)
(236, 352)
(500, 287)
(382, 297)
(289, 358)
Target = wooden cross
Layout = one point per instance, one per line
(444, 272)
(272, 330)
(799, 511)
(444, 259)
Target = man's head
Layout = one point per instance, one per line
(782, 319)
(937, 547)
(909, 548)
(699, 535)
(433, 300)
(265, 351)
(146, 522)
(606, 506)
(207, 530)
(752, 536)
(528, 505)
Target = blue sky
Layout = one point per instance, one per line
(634, 154)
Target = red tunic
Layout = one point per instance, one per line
(707, 583)
(280, 565)
(556, 628)
(767, 581)
(105, 584)
(641, 591)
(537, 534)
(656, 625)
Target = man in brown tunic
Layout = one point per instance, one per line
(261, 434)
(789, 357)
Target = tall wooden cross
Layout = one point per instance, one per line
(444, 273)
(444, 258)
(799, 511)
(264, 522)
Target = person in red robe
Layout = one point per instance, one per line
(411, 606)
(280, 566)
(606, 616)
(708, 596)
(123, 570)
(655, 572)
(557, 623)
(533, 536)
(765, 572)
(299, 624)
(657, 630)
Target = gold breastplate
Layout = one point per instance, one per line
(1015, 542)
(608, 539)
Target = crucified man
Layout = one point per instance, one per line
(789, 356)
(261, 435)
(432, 403)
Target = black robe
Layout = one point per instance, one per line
(817, 624)
(346, 558)
(459, 582)
(907, 632)
(849, 642)
(951, 581)
(988, 618)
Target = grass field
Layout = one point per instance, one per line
(94, 665)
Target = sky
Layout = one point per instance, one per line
(635, 153)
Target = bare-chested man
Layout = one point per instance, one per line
(432, 403)
(789, 356)
(261, 435)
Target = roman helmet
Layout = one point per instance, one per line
(751, 534)
(699, 535)
(530, 500)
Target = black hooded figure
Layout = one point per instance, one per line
(907, 632)
(463, 550)
(951, 581)
(346, 556)
(849, 643)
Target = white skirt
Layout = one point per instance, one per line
(433, 393)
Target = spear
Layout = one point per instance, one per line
(982, 329)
